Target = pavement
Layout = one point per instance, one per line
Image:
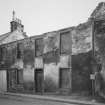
(6, 101)
(72, 99)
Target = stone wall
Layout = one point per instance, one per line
(81, 70)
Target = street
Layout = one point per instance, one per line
(9, 101)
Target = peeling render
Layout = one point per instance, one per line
(28, 78)
(38, 63)
(51, 77)
(59, 59)
(18, 64)
(64, 61)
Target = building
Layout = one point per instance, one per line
(44, 63)
(16, 33)
(58, 61)
(37, 61)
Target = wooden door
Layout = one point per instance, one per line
(38, 80)
(64, 78)
(12, 79)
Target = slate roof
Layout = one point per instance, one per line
(3, 36)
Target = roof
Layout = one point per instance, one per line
(3, 36)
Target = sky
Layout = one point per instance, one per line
(41, 16)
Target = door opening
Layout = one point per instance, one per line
(39, 80)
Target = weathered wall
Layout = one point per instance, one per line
(81, 70)
(53, 51)
(51, 41)
(52, 73)
(82, 38)
(28, 61)
(65, 61)
(99, 35)
(49, 53)
(57, 50)
(18, 64)
(51, 77)
(38, 62)
(51, 58)
(82, 45)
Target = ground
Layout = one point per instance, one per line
(8, 101)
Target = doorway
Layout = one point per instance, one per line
(64, 78)
(11, 79)
(39, 80)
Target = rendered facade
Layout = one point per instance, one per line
(61, 61)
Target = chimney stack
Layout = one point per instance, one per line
(16, 23)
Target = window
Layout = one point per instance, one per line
(99, 26)
(19, 76)
(19, 50)
(65, 42)
(39, 47)
(2, 53)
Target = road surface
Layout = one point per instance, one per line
(9, 101)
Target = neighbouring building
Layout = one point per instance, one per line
(16, 33)
(58, 61)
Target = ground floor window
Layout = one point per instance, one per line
(19, 76)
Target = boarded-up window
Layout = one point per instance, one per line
(14, 49)
(28, 53)
(10, 55)
(64, 78)
(66, 42)
(19, 76)
(99, 26)
(51, 42)
(99, 36)
(39, 47)
(2, 53)
(19, 50)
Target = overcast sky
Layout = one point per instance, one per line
(40, 16)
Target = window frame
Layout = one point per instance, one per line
(61, 34)
(37, 55)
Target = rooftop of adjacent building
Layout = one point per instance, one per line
(15, 24)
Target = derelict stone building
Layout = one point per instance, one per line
(58, 61)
